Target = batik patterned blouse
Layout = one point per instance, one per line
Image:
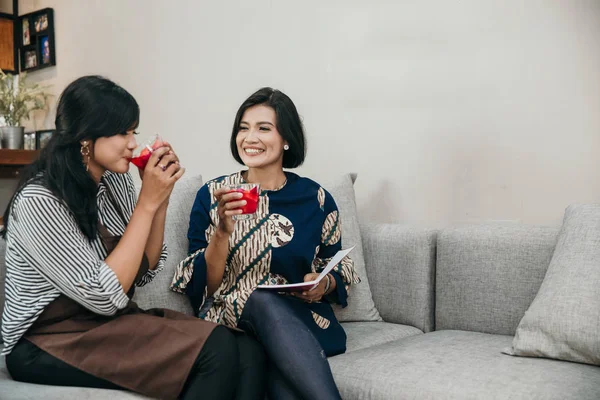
(297, 231)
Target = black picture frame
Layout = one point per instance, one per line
(42, 137)
(41, 42)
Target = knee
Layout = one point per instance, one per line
(18, 361)
(14, 366)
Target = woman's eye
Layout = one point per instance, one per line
(243, 128)
(264, 128)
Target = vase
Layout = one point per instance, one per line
(12, 137)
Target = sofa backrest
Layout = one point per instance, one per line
(400, 264)
(488, 275)
(157, 294)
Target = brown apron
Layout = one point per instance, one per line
(147, 351)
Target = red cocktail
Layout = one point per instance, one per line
(142, 153)
(250, 192)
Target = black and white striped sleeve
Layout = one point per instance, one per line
(56, 248)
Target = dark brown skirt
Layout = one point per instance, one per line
(147, 351)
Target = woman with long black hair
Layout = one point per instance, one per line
(79, 240)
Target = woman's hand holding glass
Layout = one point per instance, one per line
(159, 177)
(229, 204)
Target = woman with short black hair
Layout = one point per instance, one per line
(294, 234)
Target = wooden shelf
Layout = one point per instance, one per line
(17, 158)
(12, 162)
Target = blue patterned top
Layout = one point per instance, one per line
(297, 230)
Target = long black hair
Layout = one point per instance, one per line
(89, 108)
(288, 124)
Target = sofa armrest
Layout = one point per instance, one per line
(400, 263)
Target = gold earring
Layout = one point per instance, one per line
(85, 154)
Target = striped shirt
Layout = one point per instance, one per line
(47, 255)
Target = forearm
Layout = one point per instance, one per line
(156, 238)
(126, 258)
(216, 258)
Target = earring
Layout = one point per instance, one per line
(85, 154)
(286, 147)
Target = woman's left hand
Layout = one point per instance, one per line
(316, 294)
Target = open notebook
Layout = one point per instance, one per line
(305, 286)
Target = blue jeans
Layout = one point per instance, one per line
(298, 366)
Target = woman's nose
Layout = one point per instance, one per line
(132, 143)
(251, 136)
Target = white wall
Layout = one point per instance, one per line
(6, 6)
(450, 112)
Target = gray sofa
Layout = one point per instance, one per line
(429, 321)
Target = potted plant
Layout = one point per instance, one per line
(17, 101)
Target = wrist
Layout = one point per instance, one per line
(327, 284)
(146, 207)
(221, 235)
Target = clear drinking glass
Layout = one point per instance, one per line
(142, 153)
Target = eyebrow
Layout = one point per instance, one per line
(258, 123)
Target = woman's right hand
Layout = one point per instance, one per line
(158, 180)
(229, 204)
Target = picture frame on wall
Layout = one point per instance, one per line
(45, 50)
(41, 22)
(38, 43)
(31, 59)
(26, 36)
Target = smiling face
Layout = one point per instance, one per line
(258, 141)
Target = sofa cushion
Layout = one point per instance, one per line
(400, 263)
(458, 365)
(360, 301)
(488, 275)
(158, 294)
(367, 334)
(563, 321)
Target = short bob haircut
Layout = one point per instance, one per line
(288, 124)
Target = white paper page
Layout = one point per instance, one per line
(332, 263)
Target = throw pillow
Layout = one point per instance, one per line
(563, 321)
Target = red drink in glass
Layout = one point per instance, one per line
(142, 153)
(250, 192)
